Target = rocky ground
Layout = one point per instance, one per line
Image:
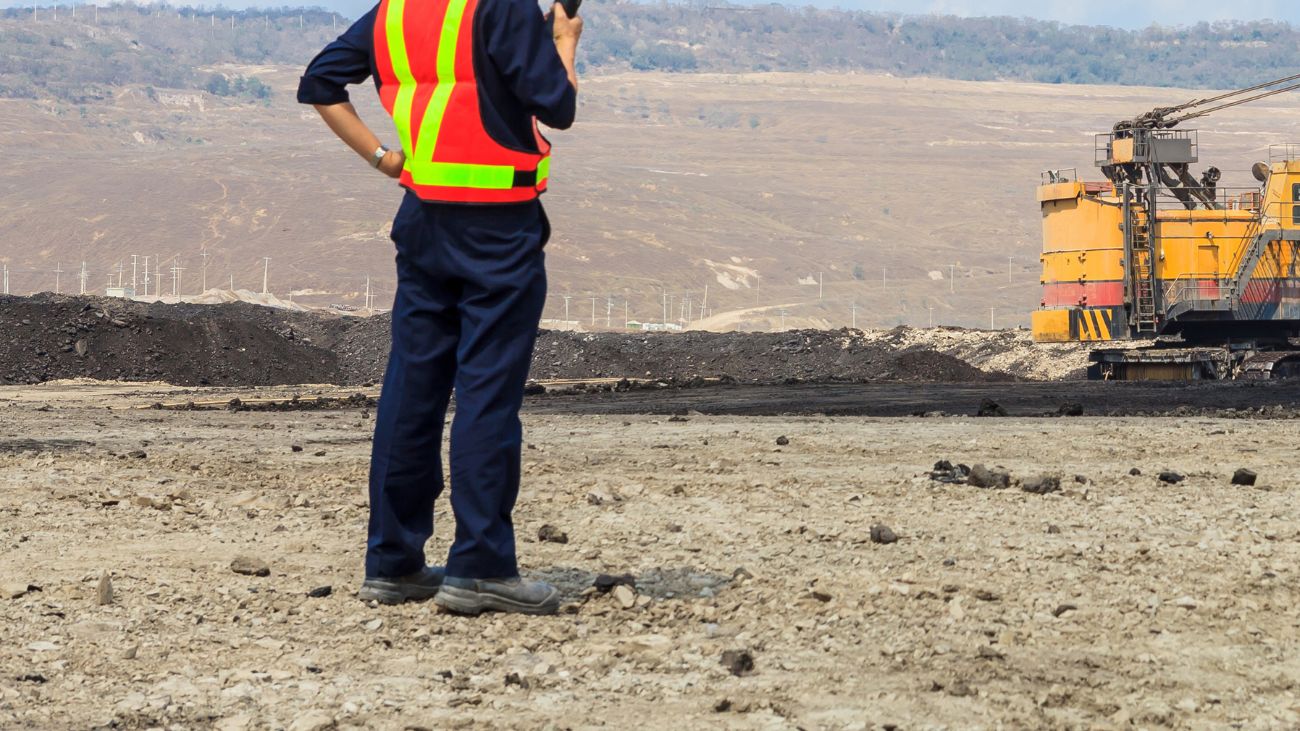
(48, 337)
(767, 594)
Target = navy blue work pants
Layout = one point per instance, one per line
(471, 286)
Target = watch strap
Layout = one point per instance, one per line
(378, 158)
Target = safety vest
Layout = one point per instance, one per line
(424, 53)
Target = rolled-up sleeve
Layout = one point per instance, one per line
(347, 60)
(521, 46)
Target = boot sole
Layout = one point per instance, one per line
(473, 603)
(390, 593)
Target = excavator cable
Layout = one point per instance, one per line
(1229, 95)
(1239, 102)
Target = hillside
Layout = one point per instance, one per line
(79, 57)
(777, 200)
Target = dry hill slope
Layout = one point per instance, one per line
(753, 186)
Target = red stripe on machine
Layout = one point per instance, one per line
(1087, 294)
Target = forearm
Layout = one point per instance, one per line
(344, 121)
(568, 49)
(348, 125)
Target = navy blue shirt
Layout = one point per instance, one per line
(520, 75)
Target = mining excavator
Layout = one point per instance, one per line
(1184, 278)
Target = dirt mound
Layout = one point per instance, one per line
(50, 337)
(806, 355)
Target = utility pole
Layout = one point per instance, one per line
(232, 283)
(176, 278)
(266, 274)
(783, 313)
(854, 307)
(158, 273)
(593, 311)
(627, 319)
(134, 283)
(205, 256)
(368, 292)
(58, 270)
(1009, 260)
(609, 312)
(952, 281)
(992, 310)
(566, 306)
(884, 278)
(83, 277)
(665, 308)
(758, 289)
(120, 268)
(6, 277)
(146, 277)
(931, 308)
(821, 285)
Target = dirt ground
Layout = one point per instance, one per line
(1122, 602)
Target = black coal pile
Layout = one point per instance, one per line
(50, 337)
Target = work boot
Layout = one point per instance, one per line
(517, 596)
(422, 584)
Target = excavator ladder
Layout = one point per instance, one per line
(1144, 316)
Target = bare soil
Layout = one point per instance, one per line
(1119, 602)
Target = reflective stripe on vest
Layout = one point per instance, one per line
(473, 168)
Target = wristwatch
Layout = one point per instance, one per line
(378, 158)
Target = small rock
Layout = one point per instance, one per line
(1135, 472)
(138, 454)
(1053, 530)
(130, 652)
(515, 680)
(1072, 409)
(738, 662)
(989, 479)
(320, 592)
(249, 566)
(722, 706)
(985, 595)
(312, 721)
(821, 596)
(295, 449)
(988, 653)
(1042, 485)
(1064, 608)
(1185, 602)
(988, 407)
(1172, 478)
(550, 534)
(105, 590)
(1081, 479)
(883, 535)
(373, 625)
(959, 689)
(320, 453)
(604, 583)
(741, 573)
(1244, 477)
(625, 596)
(783, 441)
(15, 591)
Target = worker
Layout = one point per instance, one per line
(466, 82)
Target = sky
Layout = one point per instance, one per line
(1119, 14)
